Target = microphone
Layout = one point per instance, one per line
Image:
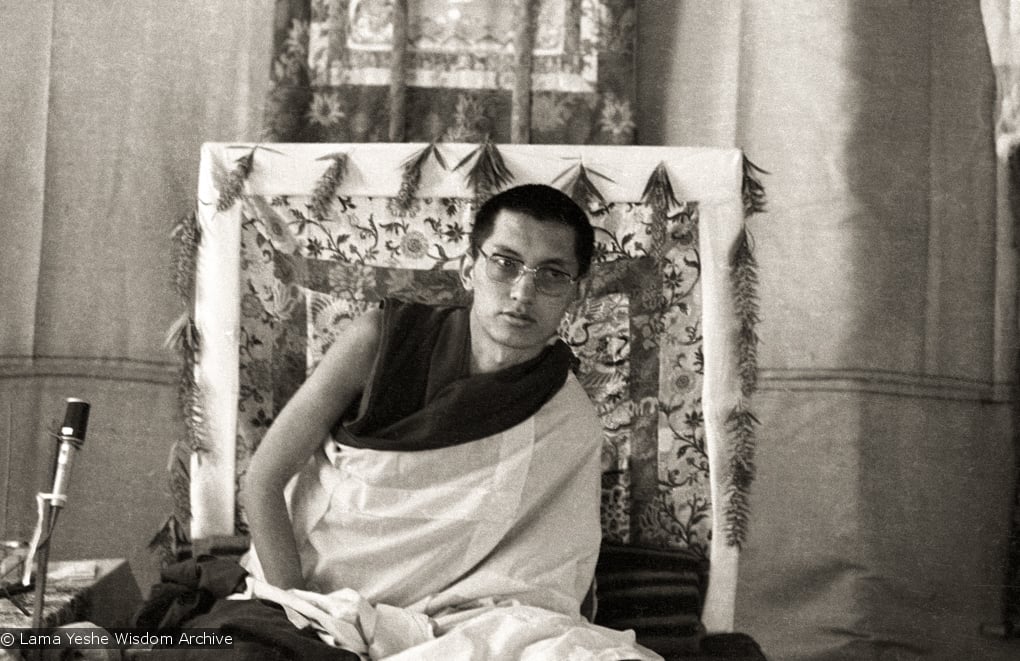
(71, 438)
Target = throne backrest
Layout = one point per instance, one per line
(293, 241)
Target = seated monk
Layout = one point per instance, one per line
(452, 511)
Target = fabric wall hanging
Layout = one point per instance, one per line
(291, 241)
(541, 71)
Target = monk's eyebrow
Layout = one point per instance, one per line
(504, 250)
(510, 252)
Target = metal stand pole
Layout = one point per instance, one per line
(41, 567)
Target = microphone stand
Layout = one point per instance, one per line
(69, 441)
(42, 560)
(47, 522)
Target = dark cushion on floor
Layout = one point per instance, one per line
(658, 593)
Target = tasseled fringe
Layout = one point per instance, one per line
(489, 172)
(581, 188)
(398, 72)
(327, 186)
(742, 421)
(658, 191)
(191, 408)
(232, 186)
(659, 195)
(185, 238)
(169, 541)
(745, 298)
(185, 337)
(410, 179)
(751, 190)
(741, 424)
(182, 335)
(173, 537)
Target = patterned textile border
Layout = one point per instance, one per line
(331, 74)
(637, 333)
(230, 185)
(467, 45)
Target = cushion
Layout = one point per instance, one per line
(657, 593)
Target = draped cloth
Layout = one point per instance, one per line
(420, 395)
(495, 540)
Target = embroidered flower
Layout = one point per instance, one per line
(683, 236)
(414, 244)
(259, 373)
(404, 208)
(470, 121)
(284, 299)
(351, 280)
(454, 232)
(619, 417)
(251, 307)
(297, 39)
(276, 228)
(548, 113)
(683, 383)
(617, 118)
(325, 109)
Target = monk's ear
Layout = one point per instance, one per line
(581, 291)
(467, 265)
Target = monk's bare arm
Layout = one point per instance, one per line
(295, 434)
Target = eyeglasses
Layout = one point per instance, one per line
(508, 270)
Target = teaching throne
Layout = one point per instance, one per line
(292, 241)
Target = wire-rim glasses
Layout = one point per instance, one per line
(508, 270)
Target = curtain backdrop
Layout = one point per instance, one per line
(885, 459)
(105, 106)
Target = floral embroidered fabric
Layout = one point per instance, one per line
(332, 65)
(637, 333)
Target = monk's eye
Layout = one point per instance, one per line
(506, 264)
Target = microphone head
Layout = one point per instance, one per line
(76, 419)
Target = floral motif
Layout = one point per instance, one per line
(548, 112)
(296, 44)
(327, 317)
(581, 70)
(326, 109)
(281, 301)
(616, 507)
(470, 123)
(616, 119)
(415, 245)
(351, 282)
(251, 306)
(636, 335)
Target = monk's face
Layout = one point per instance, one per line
(513, 319)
